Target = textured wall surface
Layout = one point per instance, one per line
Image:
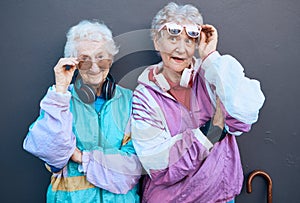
(262, 34)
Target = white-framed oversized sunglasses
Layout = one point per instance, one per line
(174, 29)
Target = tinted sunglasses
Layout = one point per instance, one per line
(174, 29)
(103, 64)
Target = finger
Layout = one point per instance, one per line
(212, 36)
(207, 26)
(207, 34)
(74, 60)
(206, 29)
(64, 65)
(211, 30)
(202, 41)
(68, 63)
(203, 38)
(214, 32)
(69, 67)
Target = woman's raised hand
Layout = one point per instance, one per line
(208, 40)
(64, 71)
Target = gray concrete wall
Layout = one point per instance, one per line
(263, 35)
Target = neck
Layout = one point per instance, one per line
(172, 75)
(98, 89)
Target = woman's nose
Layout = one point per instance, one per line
(180, 48)
(94, 66)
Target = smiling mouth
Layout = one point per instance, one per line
(177, 59)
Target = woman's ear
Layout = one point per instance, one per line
(156, 43)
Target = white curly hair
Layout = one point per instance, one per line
(173, 12)
(89, 30)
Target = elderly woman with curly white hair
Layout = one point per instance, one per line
(187, 113)
(83, 128)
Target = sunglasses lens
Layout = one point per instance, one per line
(104, 64)
(193, 31)
(193, 34)
(174, 31)
(84, 65)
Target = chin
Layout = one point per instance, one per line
(93, 83)
(179, 68)
(94, 80)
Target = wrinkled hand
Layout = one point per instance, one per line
(208, 40)
(64, 76)
(77, 156)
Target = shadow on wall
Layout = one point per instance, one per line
(136, 52)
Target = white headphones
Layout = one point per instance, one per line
(186, 77)
(162, 82)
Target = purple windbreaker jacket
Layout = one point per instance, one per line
(182, 165)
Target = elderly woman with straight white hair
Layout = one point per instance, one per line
(187, 113)
(83, 128)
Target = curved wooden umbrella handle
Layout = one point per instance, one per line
(267, 178)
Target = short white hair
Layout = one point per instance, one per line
(89, 30)
(175, 13)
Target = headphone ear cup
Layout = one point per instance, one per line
(86, 93)
(186, 77)
(108, 87)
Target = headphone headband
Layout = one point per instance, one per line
(87, 94)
